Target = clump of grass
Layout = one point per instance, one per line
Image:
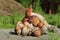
(53, 36)
(5, 21)
(10, 21)
(17, 17)
(53, 19)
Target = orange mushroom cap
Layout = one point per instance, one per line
(40, 25)
(37, 33)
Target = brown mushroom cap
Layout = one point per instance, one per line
(34, 20)
(40, 25)
(37, 33)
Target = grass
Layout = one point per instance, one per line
(53, 36)
(53, 19)
(10, 21)
(50, 36)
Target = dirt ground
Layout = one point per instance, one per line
(8, 7)
(7, 34)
